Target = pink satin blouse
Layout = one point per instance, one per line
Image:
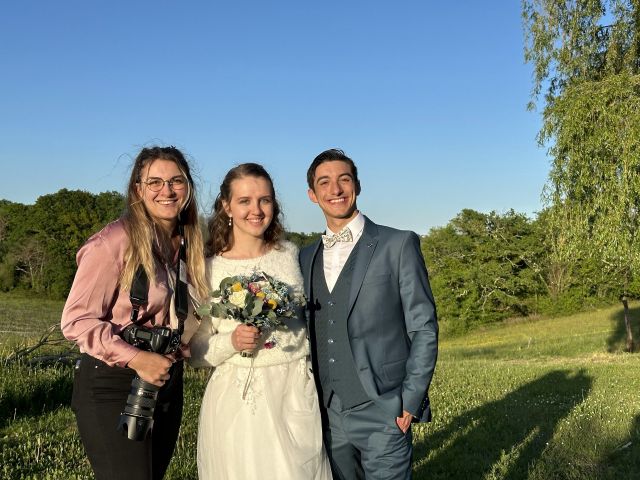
(97, 309)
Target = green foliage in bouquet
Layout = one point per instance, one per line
(257, 299)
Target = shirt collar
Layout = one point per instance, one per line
(356, 226)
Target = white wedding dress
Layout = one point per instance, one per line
(259, 418)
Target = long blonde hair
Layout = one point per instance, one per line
(143, 231)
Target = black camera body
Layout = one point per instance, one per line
(136, 421)
(160, 340)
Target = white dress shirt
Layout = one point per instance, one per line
(335, 257)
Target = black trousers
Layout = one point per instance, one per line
(99, 396)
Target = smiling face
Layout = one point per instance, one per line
(334, 190)
(164, 205)
(250, 207)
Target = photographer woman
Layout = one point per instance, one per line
(160, 197)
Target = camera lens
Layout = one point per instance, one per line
(136, 421)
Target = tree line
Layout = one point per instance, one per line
(484, 267)
(38, 242)
(487, 267)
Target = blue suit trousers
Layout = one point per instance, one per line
(365, 442)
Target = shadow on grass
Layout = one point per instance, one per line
(26, 394)
(504, 437)
(617, 340)
(623, 462)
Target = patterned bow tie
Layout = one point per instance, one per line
(343, 236)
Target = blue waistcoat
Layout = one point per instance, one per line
(337, 370)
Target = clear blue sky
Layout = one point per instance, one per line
(427, 97)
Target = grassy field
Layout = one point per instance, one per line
(26, 317)
(539, 399)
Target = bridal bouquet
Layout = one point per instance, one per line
(257, 299)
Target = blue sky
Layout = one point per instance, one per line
(428, 98)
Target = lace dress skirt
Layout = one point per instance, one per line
(261, 423)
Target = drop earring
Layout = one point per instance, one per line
(230, 222)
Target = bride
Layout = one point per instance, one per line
(259, 416)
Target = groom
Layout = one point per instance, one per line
(372, 325)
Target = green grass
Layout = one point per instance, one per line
(529, 399)
(552, 398)
(26, 316)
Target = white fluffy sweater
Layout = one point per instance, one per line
(211, 345)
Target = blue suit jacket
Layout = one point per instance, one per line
(391, 323)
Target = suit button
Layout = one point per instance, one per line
(331, 303)
(332, 360)
(331, 322)
(330, 341)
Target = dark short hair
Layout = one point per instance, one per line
(332, 155)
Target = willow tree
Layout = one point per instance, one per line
(585, 55)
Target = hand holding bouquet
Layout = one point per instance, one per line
(257, 299)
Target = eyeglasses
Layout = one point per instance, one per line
(156, 184)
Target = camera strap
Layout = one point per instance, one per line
(181, 289)
(140, 287)
(139, 292)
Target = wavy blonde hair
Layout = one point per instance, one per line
(147, 240)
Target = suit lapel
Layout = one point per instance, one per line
(309, 270)
(368, 243)
(308, 281)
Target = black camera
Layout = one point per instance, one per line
(157, 339)
(136, 421)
